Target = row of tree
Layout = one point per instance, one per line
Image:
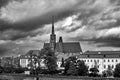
(72, 66)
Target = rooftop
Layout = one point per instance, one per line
(100, 54)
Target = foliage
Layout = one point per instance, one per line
(63, 64)
(72, 69)
(117, 71)
(50, 59)
(75, 67)
(33, 60)
(1, 69)
(67, 64)
(50, 62)
(109, 71)
(94, 72)
(104, 74)
(82, 68)
(8, 69)
(19, 70)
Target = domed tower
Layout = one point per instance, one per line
(52, 37)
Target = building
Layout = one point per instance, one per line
(102, 59)
(7, 62)
(24, 61)
(31, 60)
(62, 49)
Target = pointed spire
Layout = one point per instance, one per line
(53, 25)
(60, 39)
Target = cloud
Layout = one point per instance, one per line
(29, 15)
(26, 24)
(17, 11)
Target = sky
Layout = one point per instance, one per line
(26, 24)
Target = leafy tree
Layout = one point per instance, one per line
(82, 68)
(63, 64)
(117, 71)
(33, 60)
(94, 71)
(109, 71)
(1, 69)
(75, 67)
(50, 59)
(72, 69)
(68, 62)
(104, 73)
(50, 62)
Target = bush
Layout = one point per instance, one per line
(117, 71)
(94, 72)
(75, 67)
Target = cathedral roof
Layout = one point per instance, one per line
(68, 47)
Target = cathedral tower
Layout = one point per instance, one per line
(52, 37)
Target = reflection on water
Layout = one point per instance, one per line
(29, 79)
(4, 77)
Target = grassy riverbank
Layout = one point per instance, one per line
(31, 77)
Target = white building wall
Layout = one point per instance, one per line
(24, 62)
(101, 62)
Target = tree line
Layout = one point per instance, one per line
(72, 66)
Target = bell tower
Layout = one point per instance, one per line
(52, 37)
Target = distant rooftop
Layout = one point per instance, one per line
(67, 47)
(100, 54)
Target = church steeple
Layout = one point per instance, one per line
(52, 37)
(53, 32)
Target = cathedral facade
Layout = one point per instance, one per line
(61, 48)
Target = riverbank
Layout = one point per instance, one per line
(32, 77)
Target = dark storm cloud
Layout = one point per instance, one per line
(36, 22)
(25, 23)
(110, 41)
(3, 2)
(2, 50)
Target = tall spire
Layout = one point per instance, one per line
(52, 36)
(60, 39)
(53, 25)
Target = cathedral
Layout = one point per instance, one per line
(61, 47)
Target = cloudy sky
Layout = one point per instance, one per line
(26, 24)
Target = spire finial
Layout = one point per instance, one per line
(52, 24)
(60, 39)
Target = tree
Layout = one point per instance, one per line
(82, 68)
(117, 71)
(109, 71)
(94, 71)
(33, 60)
(75, 67)
(68, 62)
(72, 69)
(62, 64)
(50, 59)
(104, 73)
